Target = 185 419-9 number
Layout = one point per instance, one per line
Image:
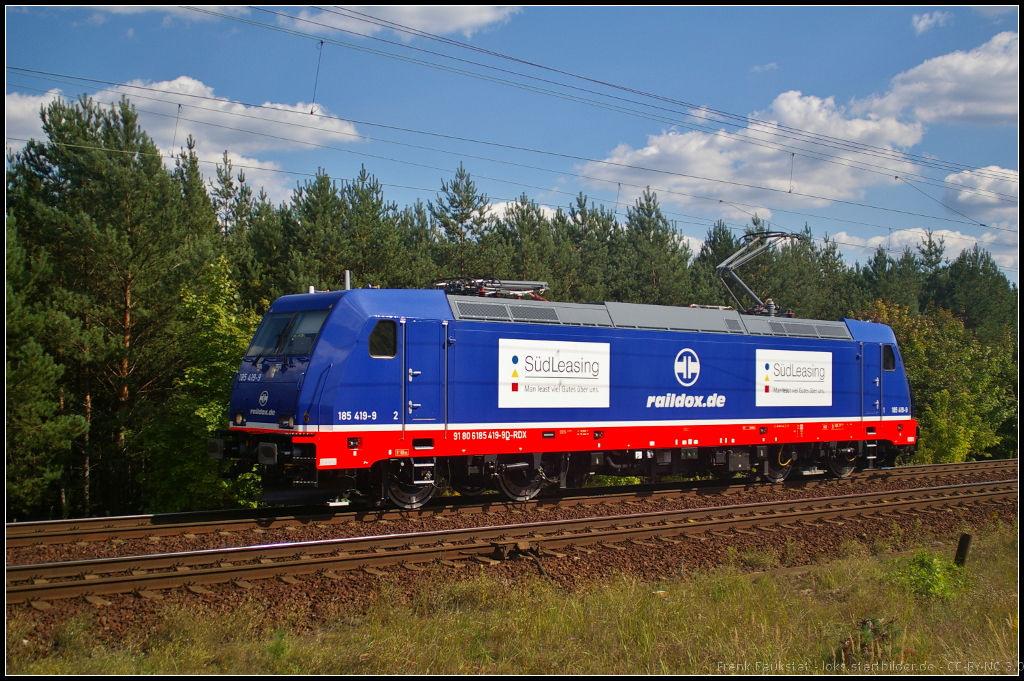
(357, 416)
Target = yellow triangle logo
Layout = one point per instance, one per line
(515, 374)
(765, 378)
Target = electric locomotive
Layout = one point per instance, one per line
(385, 395)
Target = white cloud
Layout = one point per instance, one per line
(767, 67)
(986, 207)
(977, 87)
(727, 156)
(236, 135)
(923, 22)
(216, 123)
(441, 20)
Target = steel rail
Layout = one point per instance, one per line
(191, 568)
(164, 525)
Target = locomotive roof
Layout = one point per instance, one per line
(633, 316)
(419, 303)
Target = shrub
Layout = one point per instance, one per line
(929, 575)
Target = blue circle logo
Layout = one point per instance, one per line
(515, 359)
(687, 367)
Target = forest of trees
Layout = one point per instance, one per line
(133, 289)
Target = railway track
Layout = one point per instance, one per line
(166, 525)
(287, 561)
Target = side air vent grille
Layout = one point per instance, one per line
(833, 331)
(527, 313)
(777, 327)
(734, 325)
(483, 311)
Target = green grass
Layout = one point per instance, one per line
(858, 611)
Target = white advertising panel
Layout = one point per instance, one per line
(552, 374)
(785, 378)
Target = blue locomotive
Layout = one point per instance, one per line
(384, 394)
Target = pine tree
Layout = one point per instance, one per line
(651, 257)
(896, 281)
(196, 206)
(375, 254)
(934, 270)
(232, 202)
(317, 248)
(979, 293)
(718, 245)
(520, 244)
(582, 239)
(39, 431)
(419, 245)
(460, 215)
(260, 263)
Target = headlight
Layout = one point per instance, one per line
(239, 418)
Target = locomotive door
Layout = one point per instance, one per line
(871, 366)
(423, 371)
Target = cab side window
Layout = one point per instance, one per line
(384, 339)
(888, 358)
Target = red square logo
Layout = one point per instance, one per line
(515, 387)
(766, 388)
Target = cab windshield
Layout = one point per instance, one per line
(287, 333)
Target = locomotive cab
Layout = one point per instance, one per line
(320, 366)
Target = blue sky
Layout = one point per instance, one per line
(845, 100)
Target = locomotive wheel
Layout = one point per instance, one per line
(520, 484)
(779, 467)
(841, 466)
(407, 496)
(402, 492)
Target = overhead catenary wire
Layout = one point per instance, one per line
(657, 189)
(695, 109)
(809, 153)
(505, 146)
(57, 78)
(351, 13)
(502, 180)
(511, 163)
(950, 208)
(773, 127)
